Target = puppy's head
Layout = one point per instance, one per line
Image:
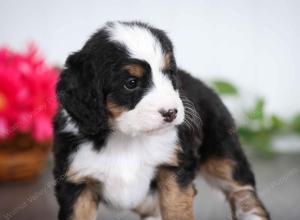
(124, 78)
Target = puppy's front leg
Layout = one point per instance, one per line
(176, 202)
(76, 201)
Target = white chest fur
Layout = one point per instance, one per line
(125, 165)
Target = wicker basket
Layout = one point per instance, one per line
(21, 158)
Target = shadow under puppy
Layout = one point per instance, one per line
(133, 131)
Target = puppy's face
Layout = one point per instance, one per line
(128, 74)
(143, 96)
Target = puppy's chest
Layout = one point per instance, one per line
(125, 166)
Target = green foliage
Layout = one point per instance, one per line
(296, 123)
(224, 88)
(257, 112)
(257, 133)
(277, 123)
(258, 128)
(258, 139)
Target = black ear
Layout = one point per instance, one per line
(80, 92)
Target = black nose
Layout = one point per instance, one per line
(169, 115)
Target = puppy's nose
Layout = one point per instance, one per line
(169, 115)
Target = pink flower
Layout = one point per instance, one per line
(27, 94)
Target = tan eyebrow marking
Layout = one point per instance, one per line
(135, 70)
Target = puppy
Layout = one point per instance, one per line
(133, 131)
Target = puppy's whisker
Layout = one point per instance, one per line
(188, 125)
(192, 118)
(191, 123)
(193, 113)
(190, 107)
(195, 117)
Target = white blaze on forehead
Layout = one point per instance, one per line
(143, 45)
(139, 41)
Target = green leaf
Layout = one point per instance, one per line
(246, 133)
(277, 123)
(296, 123)
(257, 113)
(224, 88)
(262, 142)
(259, 140)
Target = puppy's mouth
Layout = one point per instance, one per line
(155, 131)
(160, 129)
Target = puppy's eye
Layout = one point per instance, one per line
(131, 84)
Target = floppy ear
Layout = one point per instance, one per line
(80, 92)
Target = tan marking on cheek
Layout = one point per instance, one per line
(85, 206)
(134, 70)
(175, 202)
(114, 110)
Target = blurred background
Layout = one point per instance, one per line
(247, 50)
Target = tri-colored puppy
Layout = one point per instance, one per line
(133, 131)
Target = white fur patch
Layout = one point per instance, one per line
(248, 215)
(142, 44)
(150, 207)
(70, 127)
(152, 218)
(126, 165)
